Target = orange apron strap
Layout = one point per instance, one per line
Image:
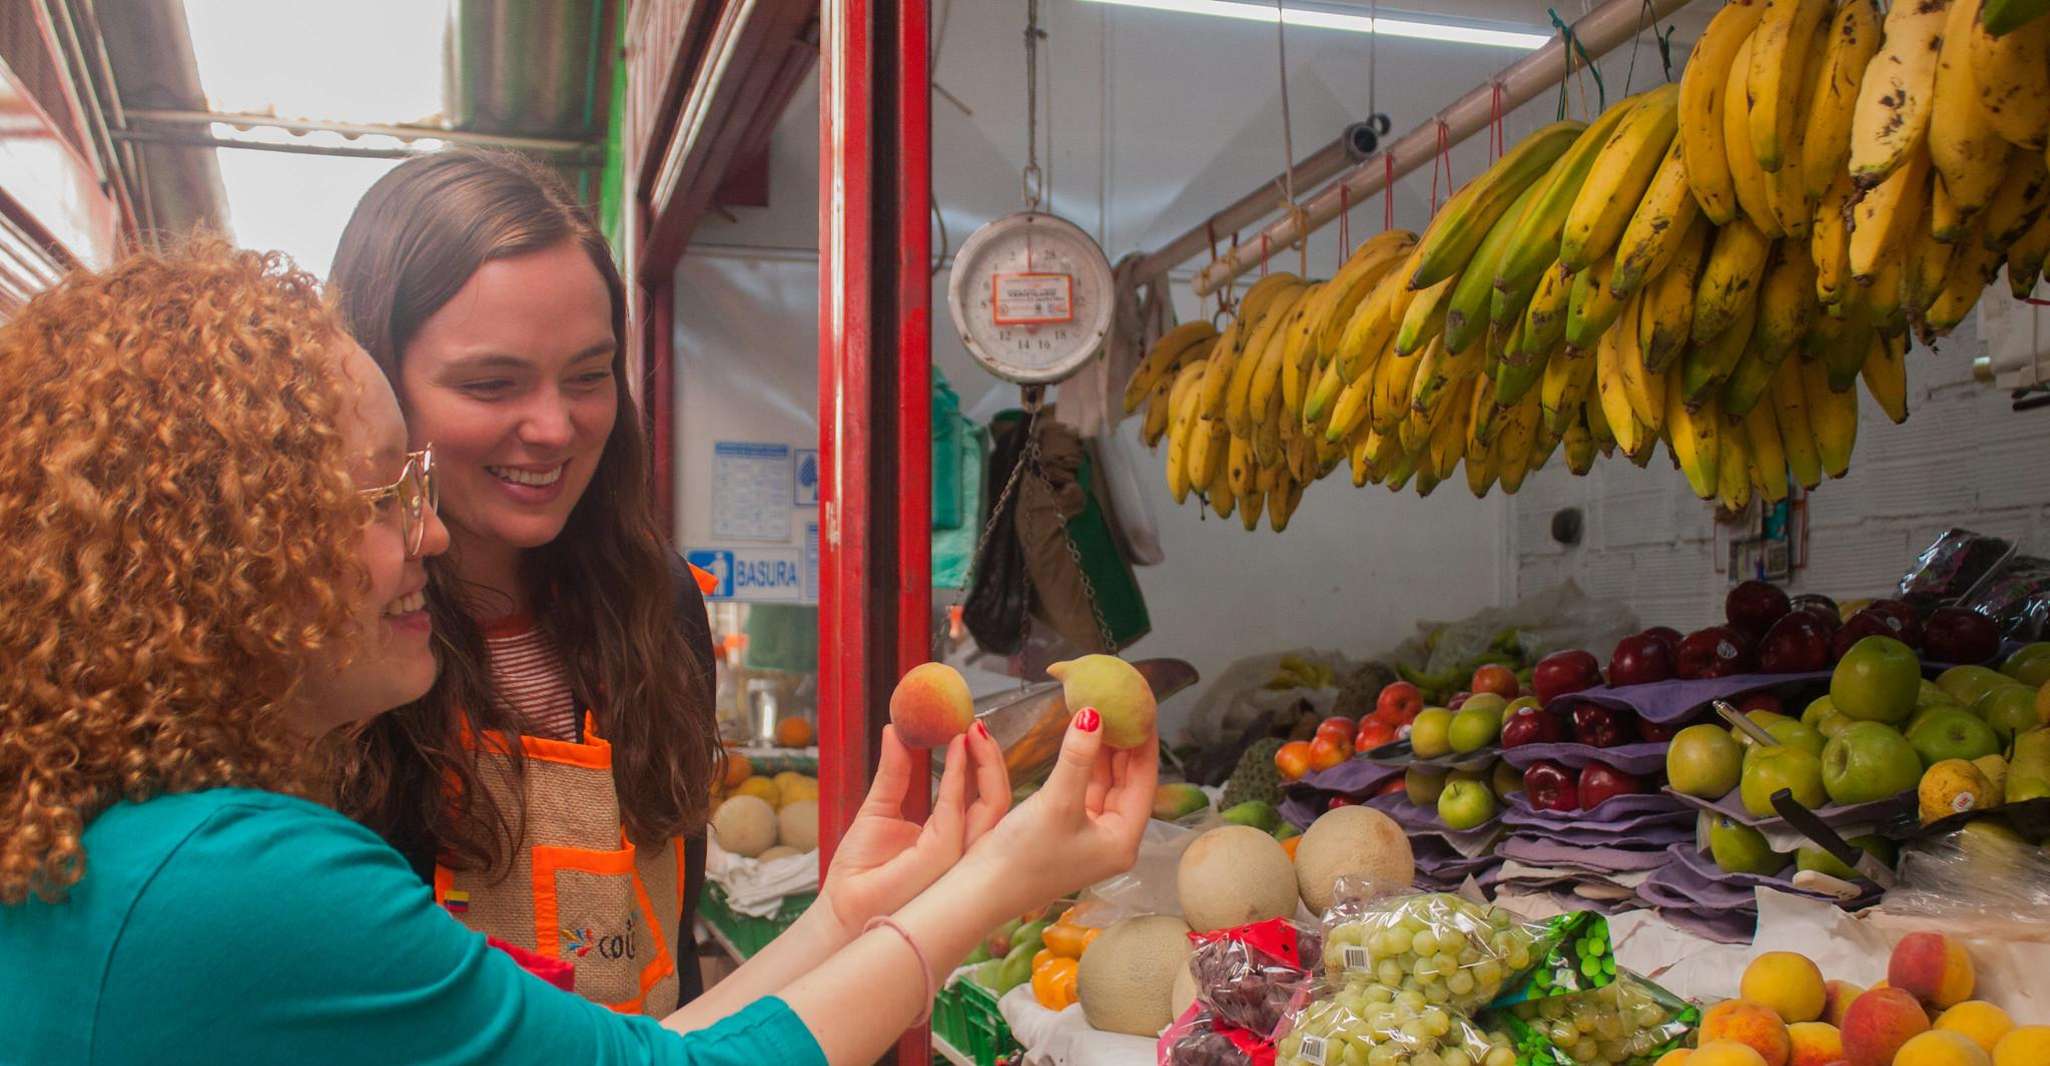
(708, 583)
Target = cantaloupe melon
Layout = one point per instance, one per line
(1233, 875)
(1184, 990)
(780, 851)
(798, 824)
(1357, 844)
(745, 825)
(1126, 980)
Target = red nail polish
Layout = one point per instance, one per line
(1088, 721)
(983, 730)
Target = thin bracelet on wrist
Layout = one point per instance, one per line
(924, 967)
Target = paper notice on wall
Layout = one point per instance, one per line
(750, 491)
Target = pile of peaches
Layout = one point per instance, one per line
(1923, 1014)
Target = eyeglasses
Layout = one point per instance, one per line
(417, 494)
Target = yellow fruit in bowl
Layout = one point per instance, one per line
(2028, 1045)
(1788, 983)
(761, 788)
(1979, 1020)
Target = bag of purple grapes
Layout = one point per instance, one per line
(1247, 976)
(1199, 1038)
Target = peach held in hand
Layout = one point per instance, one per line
(931, 706)
(1118, 692)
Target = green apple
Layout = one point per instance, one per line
(1740, 849)
(1813, 858)
(1933, 694)
(1793, 734)
(1869, 761)
(2030, 664)
(2009, 709)
(1430, 735)
(1767, 770)
(1704, 760)
(1877, 680)
(1967, 683)
(1951, 733)
(1423, 785)
(1818, 709)
(1476, 724)
(1764, 720)
(1465, 804)
(1504, 780)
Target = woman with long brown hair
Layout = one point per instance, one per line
(554, 785)
(213, 537)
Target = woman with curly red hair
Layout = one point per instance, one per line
(212, 536)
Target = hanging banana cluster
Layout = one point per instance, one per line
(1714, 264)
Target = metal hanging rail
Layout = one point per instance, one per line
(1599, 31)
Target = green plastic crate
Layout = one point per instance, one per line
(747, 933)
(965, 1015)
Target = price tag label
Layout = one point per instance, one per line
(1032, 299)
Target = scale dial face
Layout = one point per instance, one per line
(1031, 296)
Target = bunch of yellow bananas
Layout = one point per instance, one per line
(1819, 184)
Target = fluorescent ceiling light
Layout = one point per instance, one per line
(1327, 19)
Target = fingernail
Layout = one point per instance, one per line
(982, 730)
(1088, 720)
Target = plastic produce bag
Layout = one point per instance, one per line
(1985, 573)
(1452, 951)
(1375, 1025)
(1198, 1038)
(1559, 617)
(1149, 886)
(1974, 882)
(1249, 976)
(1627, 1023)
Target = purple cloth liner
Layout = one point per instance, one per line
(1302, 801)
(1833, 816)
(1722, 927)
(1648, 838)
(1604, 860)
(1613, 809)
(1642, 759)
(1400, 756)
(1528, 823)
(1425, 819)
(1704, 868)
(1670, 701)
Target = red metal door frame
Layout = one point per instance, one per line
(875, 403)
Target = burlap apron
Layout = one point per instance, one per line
(575, 888)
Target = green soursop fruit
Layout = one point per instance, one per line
(1255, 777)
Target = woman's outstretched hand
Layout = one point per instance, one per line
(885, 859)
(1084, 825)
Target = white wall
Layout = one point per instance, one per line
(1963, 458)
(1157, 120)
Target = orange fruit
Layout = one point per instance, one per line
(794, 733)
(738, 769)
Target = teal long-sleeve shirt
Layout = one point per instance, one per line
(249, 927)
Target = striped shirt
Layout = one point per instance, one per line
(529, 678)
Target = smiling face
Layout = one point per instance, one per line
(391, 661)
(512, 382)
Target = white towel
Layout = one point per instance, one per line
(756, 888)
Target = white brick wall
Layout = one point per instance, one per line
(1961, 459)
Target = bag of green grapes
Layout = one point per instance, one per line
(1453, 951)
(1375, 1025)
(1629, 1022)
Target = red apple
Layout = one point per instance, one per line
(1326, 753)
(1819, 604)
(1796, 644)
(1338, 728)
(1754, 606)
(1458, 700)
(1717, 651)
(1341, 801)
(1603, 727)
(1393, 786)
(1372, 735)
(1551, 787)
(1866, 623)
(1533, 725)
(1960, 635)
(1763, 700)
(1902, 619)
(1668, 634)
(1399, 704)
(1564, 671)
(1657, 732)
(1640, 660)
(1599, 782)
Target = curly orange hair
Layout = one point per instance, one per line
(177, 539)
